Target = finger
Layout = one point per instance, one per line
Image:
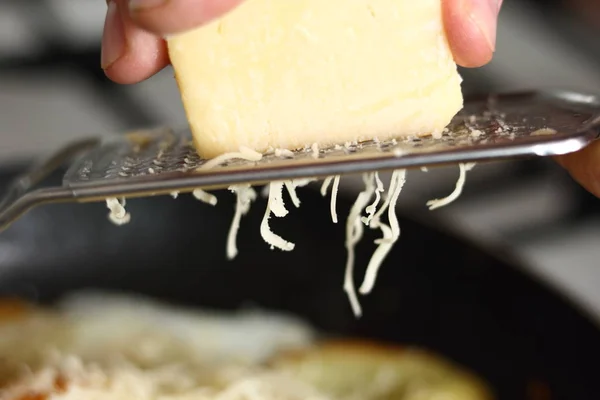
(172, 16)
(584, 167)
(471, 30)
(129, 54)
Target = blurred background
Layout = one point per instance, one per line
(52, 91)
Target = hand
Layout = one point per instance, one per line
(133, 48)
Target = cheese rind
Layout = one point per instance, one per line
(287, 74)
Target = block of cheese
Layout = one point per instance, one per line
(287, 74)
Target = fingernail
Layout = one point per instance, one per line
(484, 13)
(113, 39)
(145, 4)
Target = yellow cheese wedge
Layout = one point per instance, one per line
(287, 74)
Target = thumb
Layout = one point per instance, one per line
(584, 167)
(164, 17)
(471, 29)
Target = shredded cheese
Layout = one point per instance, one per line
(245, 195)
(334, 192)
(390, 233)
(276, 206)
(205, 197)
(326, 183)
(118, 215)
(315, 150)
(67, 377)
(354, 232)
(244, 153)
(373, 207)
(292, 185)
(264, 192)
(291, 189)
(284, 153)
(460, 183)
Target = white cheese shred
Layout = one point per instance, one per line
(373, 207)
(205, 197)
(276, 206)
(354, 232)
(315, 150)
(118, 215)
(122, 379)
(284, 153)
(264, 192)
(291, 189)
(244, 153)
(326, 183)
(303, 182)
(460, 183)
(292, 185)
(334, 192)
(245, 195)
(390, 233)
(333, 203)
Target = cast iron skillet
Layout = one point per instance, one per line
(435, 290)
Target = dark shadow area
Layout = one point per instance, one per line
(435, 290)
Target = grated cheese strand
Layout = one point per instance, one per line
(205, 197)
(264, 192)
(291, 189)
(373, 207)
(315, 150)
(244, 153)
(326, 183)
(399, 178)
(284, 153)
(382, 250)
(460, 183)
(117, 215)
(292, 185)
(390, 233)
(354, 232)
(334, 192)
(275, 205)
(245, 195)
(303, 182)
(333, 203)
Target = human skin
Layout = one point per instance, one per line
(133, 48)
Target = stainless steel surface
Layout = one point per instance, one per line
(161, 161)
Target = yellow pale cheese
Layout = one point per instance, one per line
(290, 73)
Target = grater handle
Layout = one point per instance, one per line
(17, 197)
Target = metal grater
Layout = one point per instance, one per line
(161, 161)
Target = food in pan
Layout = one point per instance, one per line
(107, 347)
(364, 370)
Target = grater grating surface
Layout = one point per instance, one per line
(161, 161)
